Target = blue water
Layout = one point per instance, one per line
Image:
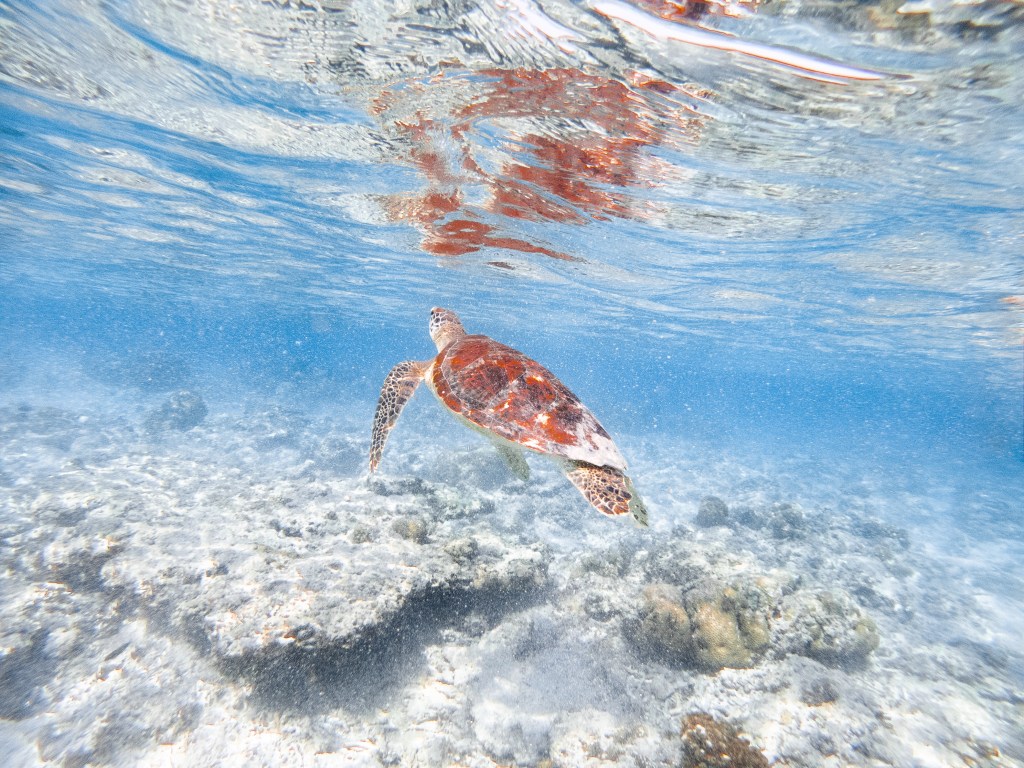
(765, 265)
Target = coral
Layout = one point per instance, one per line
(754, 629)
(871, 528)
(717, 639)
(827, 626)
(599, 607)
(710, 743)
(664, 623)
(182, 411)
(362, 534)
(411, 528)
(463, 550)
(787, 521)
(818, 691)
(709, 628)
(712, 511)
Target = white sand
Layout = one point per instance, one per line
(238, 594)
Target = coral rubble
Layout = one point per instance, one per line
(710, 743)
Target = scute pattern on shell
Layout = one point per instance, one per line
(504, 391)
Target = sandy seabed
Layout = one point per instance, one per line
(240, 593)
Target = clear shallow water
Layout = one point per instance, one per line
(723, 256)
(293, 186)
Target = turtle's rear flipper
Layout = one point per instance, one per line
(608, 490)
(514, 459)
(398, 387)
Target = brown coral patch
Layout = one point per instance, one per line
(710, 743)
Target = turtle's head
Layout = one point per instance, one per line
(445, 327)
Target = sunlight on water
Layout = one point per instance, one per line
(774, 246)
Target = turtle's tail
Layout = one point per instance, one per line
(637, 508)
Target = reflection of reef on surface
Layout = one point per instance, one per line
(694, 10)
(571, 146)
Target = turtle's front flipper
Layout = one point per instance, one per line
(398, 387)
(607, 489)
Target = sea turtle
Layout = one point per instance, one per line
(516, 403)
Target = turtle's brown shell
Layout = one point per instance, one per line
(501, 390)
